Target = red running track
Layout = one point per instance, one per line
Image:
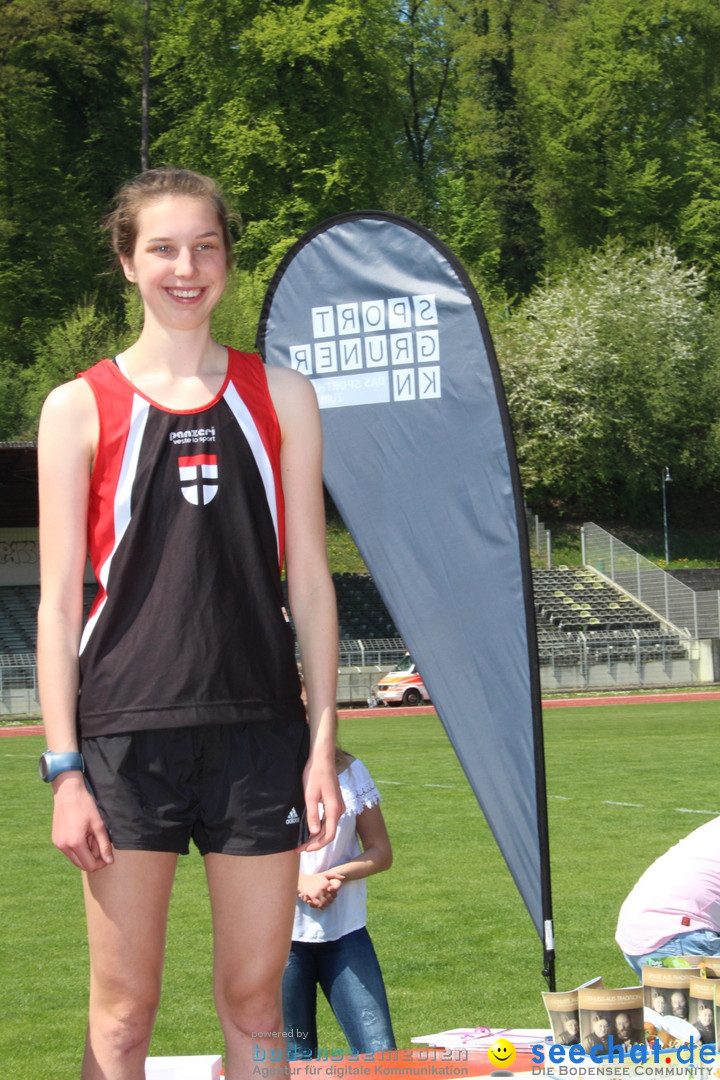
(428, 710)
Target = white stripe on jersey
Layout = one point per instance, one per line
(122, 501)
(244, 418)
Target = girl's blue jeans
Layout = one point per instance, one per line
(349, 974)
(694, 943)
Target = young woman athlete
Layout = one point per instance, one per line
(189, 472)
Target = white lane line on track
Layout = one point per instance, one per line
(403, 783)
(568, 798)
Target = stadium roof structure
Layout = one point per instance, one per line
(18, 485)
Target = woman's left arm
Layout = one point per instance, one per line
(310, 590)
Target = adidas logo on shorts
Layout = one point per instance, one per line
(292, 818)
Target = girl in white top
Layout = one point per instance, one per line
(331, 946)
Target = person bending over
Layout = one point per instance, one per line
(674, 907)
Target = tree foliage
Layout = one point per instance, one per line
(612, 373)
(294, 112)
(619, 94)
(541, 139)
(84, 337)
(491, 144)
(68, 135)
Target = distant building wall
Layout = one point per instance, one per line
(19, 557)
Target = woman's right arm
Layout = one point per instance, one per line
(67, 438)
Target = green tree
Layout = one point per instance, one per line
(11, 402)
(612, 372)
(68, 135)
(490, 140)
(469, 226)
(72, 345)
(699, 225)
(424, 75)
(617, 93)
(294, 115)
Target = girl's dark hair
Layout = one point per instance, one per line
(155, 184)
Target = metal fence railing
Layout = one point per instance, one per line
(371, 652)
(367, 652)
(361, 662)
(629, 646)
(539, 537)
(18, 684)
(696, 612)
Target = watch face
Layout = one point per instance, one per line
(51, 764)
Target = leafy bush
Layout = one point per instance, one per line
(611, 373)
(84, 337)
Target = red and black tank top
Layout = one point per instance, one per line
(186, 534)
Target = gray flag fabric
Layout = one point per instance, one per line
(420, 462)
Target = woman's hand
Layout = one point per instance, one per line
(78, 830)
(322, 788)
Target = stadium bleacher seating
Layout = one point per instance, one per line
(362, 613)
(577, 605)
(361, 608)
(576, 612)
(18, 616)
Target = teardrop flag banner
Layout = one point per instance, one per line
(419, 459)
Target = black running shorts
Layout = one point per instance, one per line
(235, 789)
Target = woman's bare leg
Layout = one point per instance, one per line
(253, 903)
(126, 905)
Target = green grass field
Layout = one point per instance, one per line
(456, 944)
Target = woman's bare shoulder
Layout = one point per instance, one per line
(68, 399)
(287, 380)
(292, 395)
(69, 413)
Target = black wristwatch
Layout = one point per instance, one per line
(51, 765)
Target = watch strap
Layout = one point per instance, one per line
(51, 764)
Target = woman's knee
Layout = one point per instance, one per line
(255, 1008)
(122, 1015)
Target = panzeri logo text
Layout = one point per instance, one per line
(367, 352)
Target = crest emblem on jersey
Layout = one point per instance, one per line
(198, 478)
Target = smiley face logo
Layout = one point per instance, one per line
(501, 1053)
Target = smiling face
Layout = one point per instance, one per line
(179, 261)
(501, 1053)
(658, 1003)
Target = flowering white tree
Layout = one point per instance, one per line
(611, 372)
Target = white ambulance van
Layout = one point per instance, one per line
(403, 685)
